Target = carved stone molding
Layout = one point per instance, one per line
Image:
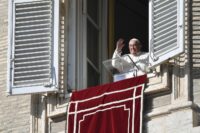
(56, 105)
(161, 82)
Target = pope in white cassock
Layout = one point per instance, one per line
(139, 60)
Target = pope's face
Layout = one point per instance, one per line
(134, 48)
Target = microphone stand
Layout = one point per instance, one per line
(134, 65)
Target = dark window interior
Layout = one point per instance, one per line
(131, 20)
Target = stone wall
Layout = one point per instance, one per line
(179, 121)
(182, 115)
(14, 110)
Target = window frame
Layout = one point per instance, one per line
(56, 104)
(77, 45)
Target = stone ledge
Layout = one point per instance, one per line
(195, 130)
(171, 108)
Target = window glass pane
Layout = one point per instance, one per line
(92, 9)
(92, 44)
(93, 76)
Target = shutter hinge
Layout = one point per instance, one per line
(153, 57)
(49, 84)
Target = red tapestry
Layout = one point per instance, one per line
(110, 108)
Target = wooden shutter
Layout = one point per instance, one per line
(33, 46)
(166, 30)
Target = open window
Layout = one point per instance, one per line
(158, 24)
(131, 20)
(33, 46)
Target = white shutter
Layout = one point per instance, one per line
(33, 46)
(166, 30)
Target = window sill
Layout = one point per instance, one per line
(158, 82)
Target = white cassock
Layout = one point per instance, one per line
(139, 62)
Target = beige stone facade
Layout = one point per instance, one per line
(172, 100)
(14, 110)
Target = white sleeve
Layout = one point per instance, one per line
(116, 54)
(114, 62)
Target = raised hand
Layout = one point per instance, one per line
(120, 44)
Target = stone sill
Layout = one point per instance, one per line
(195, 130)
(180, 105)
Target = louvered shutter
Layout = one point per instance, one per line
(166, 30)
(33, 46)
